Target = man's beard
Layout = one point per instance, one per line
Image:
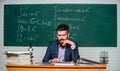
(60, 42)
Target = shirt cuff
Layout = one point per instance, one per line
(73, 47)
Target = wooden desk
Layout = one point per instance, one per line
(42, 67)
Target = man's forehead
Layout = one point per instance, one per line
(63, 31)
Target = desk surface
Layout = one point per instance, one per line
(49, 67)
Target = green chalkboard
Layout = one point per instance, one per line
(91, 25)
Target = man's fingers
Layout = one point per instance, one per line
(55, 60)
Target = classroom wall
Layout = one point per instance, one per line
(92, 53)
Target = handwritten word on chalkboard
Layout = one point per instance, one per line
(91, 25)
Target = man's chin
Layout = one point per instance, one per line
(61, 42)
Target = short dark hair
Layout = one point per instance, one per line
(62, 27)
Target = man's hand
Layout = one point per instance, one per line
(68, 42)
(55, 60)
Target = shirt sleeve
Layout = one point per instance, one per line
(73, 47)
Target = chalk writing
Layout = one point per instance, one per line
(85, 10)
(24, 12)
(71, 19)
(29, 21)
(66, 14)
(74, 27)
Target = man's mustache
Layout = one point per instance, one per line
(61, 39)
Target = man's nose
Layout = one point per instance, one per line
(61, 37)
